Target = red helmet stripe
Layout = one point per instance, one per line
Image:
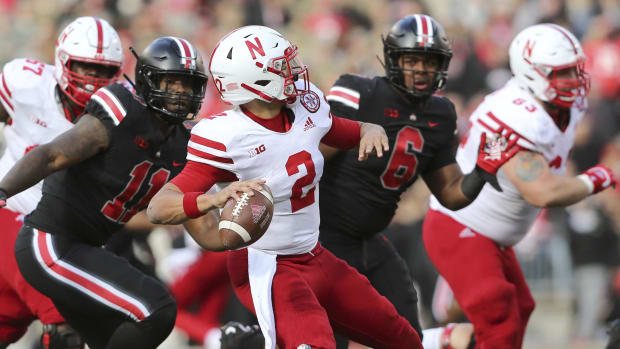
(563, 31)
(424, 28)
(187, 51)
(99, 36)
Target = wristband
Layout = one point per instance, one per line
(587, 181)
(190, 204)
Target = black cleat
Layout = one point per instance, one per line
(236, 335)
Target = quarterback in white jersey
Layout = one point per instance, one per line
(472, 247)
(39, 102)
(272, 136)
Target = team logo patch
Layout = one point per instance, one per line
(257, 212)
(311, 101)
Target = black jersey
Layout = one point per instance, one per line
(360, 198)
(92, 199)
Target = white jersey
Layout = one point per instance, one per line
(28, 94)
(505, 216)
(290, 162)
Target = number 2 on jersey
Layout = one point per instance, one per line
(403, 162)
(298, 199)
(117, 209)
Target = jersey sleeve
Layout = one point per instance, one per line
(447, 151)
(107, 104)
(344, 96)
(209, 143)
(20, 82)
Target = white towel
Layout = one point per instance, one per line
(261, 269)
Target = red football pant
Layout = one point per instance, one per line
(314, 291)
(205, 282)
(20, 304)
(486, 279)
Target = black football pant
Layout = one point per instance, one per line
(378, 260)
(110, 303)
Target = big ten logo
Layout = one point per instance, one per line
(257, 150)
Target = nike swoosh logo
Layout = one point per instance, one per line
(433, 124)
(177, 164)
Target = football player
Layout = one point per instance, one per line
(39, 102)
(472, 248)
(357, 200)
(99, 174)
(297, 289)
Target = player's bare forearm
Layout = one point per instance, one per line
(205, 231)
(81, 142)
(530, 174)
(166, 207)
(446, 184)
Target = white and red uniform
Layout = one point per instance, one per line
(286, 275)
(28, 94)
(471, 247)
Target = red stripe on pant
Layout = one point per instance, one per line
(55, 268)
(314, 291)
(486, 279)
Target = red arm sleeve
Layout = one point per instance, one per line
(344, 134)
(199, 177)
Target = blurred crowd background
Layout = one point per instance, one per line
(571, 255)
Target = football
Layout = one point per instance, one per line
(243, 222)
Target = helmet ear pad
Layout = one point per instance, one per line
(416, 34)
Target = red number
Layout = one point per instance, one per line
(519, 101)
(39, 66)
(116, 210)
(218, 84)
(556, 163)
(466, 137)
(403, 162)
(298, 199)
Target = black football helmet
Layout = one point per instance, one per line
(416, 33)
(171, 56)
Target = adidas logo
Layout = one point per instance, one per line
(466, 233)
(309, 124)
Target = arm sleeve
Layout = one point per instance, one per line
(446, 154)
(344, 97)
(107, 104)
(200, 177)
(344, 134)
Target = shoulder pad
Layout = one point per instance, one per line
(348, 90)
(210, 140)
(113, 99)
(22, 81)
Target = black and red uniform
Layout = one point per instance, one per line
(58, 249)
(359, 199)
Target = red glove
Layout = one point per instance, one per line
(598, 178)
(493, 154)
